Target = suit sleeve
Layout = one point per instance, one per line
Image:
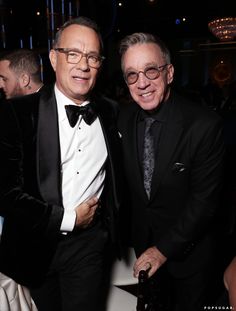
(26, 212)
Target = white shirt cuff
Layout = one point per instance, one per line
(68, 221)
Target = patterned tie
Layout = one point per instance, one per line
(73, 112)
(148, 155)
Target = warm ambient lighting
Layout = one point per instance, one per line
(224, 28)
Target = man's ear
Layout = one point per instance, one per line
(53, 59)
(24, 80)
(170, 73)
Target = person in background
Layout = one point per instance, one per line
(20, 72)
(59, 184)
(230, 282)
(173, 155)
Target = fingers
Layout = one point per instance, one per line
(148, 266)
(143, 265)
(91, 202)
(85, 212)
(88, 205)
(151, 260)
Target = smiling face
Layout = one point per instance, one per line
(75, 80)
(147, 93)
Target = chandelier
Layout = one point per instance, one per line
(223, 28)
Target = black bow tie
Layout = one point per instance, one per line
(73, 112)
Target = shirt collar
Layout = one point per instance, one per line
(39, 89)
(63, 101)
(160, 114)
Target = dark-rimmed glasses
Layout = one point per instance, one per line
(74, 57)
(151, 73)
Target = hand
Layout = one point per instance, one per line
(85, 212)
(151, 260)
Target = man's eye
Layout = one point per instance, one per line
(72, 54)
(93, 58)
(151, 70)
(131, 74)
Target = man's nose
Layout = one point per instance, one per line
(83, 63)
(142, 81)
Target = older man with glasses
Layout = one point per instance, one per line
(173, 155)
(60, 177)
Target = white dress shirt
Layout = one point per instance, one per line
(83, 156)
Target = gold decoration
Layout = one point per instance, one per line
(223, 28)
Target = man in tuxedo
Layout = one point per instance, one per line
(173, 155)
(59, 180)
(20, 72)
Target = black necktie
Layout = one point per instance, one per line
(148, 156)
(73, 112)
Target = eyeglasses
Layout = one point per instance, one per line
(74, 57)
(151, 73)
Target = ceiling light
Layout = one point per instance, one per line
(224, 28)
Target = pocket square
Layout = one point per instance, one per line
(179, 167)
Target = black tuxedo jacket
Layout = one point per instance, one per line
(179, 217)
(30, 182)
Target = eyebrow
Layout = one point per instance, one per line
(77, 50)
(150, 64)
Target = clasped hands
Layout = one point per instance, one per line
(151, 260)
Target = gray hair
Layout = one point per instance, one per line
(142, 38)
(82, 21)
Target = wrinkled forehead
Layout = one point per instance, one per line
(142, 54)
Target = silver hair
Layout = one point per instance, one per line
(142, 38)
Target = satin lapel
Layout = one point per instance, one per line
(48, 149)
(111, 137)
(135, 170)
(171, 134)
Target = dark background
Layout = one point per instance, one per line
(134, 15)
(195, 51)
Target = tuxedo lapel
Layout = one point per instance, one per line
(105, 122)
(48, 148)
(112, 140)
(134, 166)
